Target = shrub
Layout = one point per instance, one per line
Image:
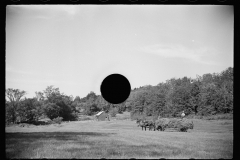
(123, 116)
(213, 117)
(51, 110)
(74, 116)
(24, 125)
(136, 116)
(57, 120)
(49, 122)
(85, 118)
(219, 116)
(113, 112)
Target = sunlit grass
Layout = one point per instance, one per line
(120, 139)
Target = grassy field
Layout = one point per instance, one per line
(120, 139)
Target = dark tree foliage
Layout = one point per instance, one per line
(195, 96)
(91, 104)
(51, 110)
(208, 94)
(60, 104)
(77, 99)
(14, 96)
(10, 113)
(30, 110)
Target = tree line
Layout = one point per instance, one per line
(208, 94)
(52, 103)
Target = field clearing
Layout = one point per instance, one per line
(120, 139)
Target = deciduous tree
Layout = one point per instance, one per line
(14, 96)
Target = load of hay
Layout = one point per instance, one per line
(188, 123)
(181, 125)
(174, 123)
(162, 123)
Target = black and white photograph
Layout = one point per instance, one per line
(119, 81)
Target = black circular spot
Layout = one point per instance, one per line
(115, 88)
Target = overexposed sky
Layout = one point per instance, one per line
(74, 47)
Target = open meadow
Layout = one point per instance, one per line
(210, 139)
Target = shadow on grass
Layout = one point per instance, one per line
(34, 122)
(18, 143)
(87, 145)
(33, 136)
(79, 144)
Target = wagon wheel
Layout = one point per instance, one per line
(163, 128)
(183, 129)
(160, 127)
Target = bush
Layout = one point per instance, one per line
(74, 116)
(212, 117)
(57, 120)
(29, 110)
(85, 118)
(135, 116)
(49, 122)
(123, 116)
(219, 116)
(113, 112)
(51, 110)
(23, 125)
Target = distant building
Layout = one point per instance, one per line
(102, 116)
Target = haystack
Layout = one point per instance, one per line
(188, 123)
(180, 124)
(162, 123)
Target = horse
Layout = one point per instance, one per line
(138, 121)
(151, 125)
(143, 124)
(146, 124)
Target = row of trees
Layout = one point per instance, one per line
(206, 95)
(50, 103)
(53, 104)
(93, 103)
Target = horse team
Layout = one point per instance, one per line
(181, 125)
(147, 124)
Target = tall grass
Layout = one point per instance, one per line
(219, 116)
(119, 139)
(123, 116)
(85, 118)
(212, 117)
(142, 116)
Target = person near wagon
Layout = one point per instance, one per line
(182, 115)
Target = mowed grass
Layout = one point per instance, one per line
(120, 139)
